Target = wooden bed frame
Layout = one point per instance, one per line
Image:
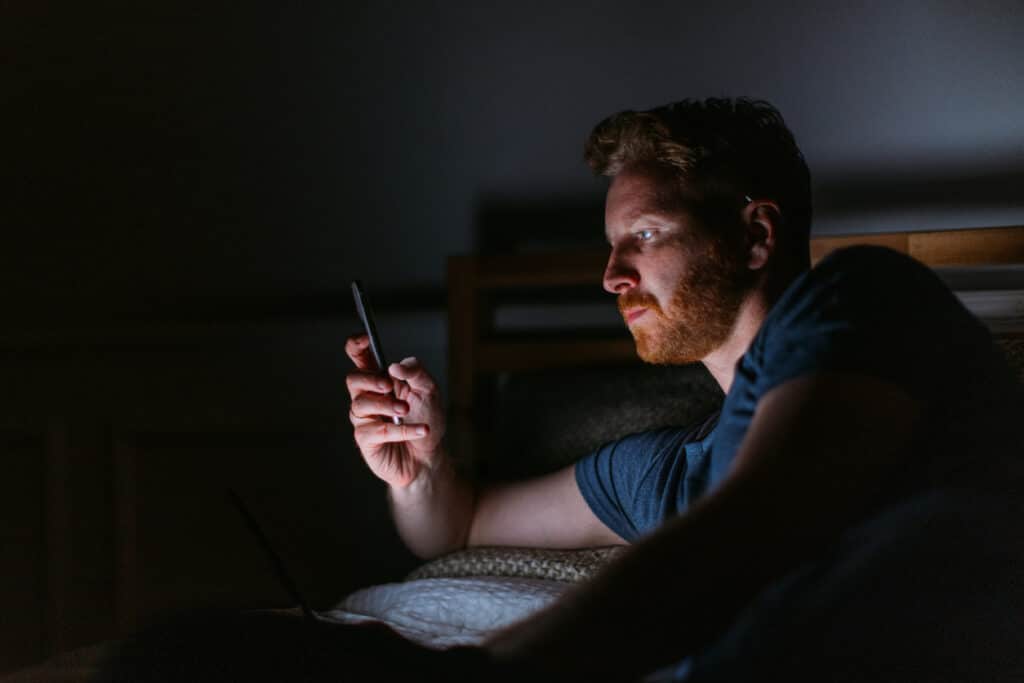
(477, 351)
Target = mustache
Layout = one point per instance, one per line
(632, 299)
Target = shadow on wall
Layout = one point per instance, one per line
(935, 197)
(935, 187)
(867, 200)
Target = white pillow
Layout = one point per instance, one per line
(446, 612)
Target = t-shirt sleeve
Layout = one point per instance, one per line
(634, 483)
(865, 310)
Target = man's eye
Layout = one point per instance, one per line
(644, 235)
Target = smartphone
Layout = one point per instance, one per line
(366, 316)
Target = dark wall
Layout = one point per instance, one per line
(154, 151)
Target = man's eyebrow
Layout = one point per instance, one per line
(637, 214)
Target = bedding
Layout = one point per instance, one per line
(455, 600)
(446, 612)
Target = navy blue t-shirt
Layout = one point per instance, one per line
(863, 310)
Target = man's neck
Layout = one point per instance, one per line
(721, 362)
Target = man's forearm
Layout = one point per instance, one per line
(433, 514)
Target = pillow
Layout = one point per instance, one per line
(545, 420)
(528, 563)
(448, 612)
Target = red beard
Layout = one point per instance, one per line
(700, 315)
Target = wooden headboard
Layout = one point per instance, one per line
(477, 284)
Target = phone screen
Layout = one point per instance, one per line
(366, 316)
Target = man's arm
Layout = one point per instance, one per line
(439, 513)
(818, 450)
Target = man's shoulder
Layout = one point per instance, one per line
(858, 259)
(866, 310)
(870, 267)
(660, 440)
(865, 281)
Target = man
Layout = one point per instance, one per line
(864, 409)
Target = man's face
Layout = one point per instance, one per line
(679, 291)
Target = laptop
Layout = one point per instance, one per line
(280, 570)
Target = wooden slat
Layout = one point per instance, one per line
(543, 269)
(126, 570)
(58, 537)
(989, 246)
(23, 531)
(938, 248)
(823, 246)
(464, 329)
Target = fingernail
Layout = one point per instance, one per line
(383, 386)
(408, 361)
(400, 408)
(421, 431)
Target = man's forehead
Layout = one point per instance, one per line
(651, 211)
(634, 195)
(656, 188)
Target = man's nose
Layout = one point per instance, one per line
(619, 274)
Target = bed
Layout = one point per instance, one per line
(519, 320)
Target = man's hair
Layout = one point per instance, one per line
(720, 150)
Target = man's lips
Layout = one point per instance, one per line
(632, 314)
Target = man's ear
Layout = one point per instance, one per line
(761, 219)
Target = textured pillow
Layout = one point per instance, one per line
(527, 563)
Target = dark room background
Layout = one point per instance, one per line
(187, 191)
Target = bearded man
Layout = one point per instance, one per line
(836, 520)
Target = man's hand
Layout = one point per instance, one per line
(396, 453)
(435, 510)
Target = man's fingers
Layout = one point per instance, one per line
(375, 434)
(413, 374)
(358, 382)
(378, 405)
(357, 348)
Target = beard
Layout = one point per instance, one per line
(700, 314)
